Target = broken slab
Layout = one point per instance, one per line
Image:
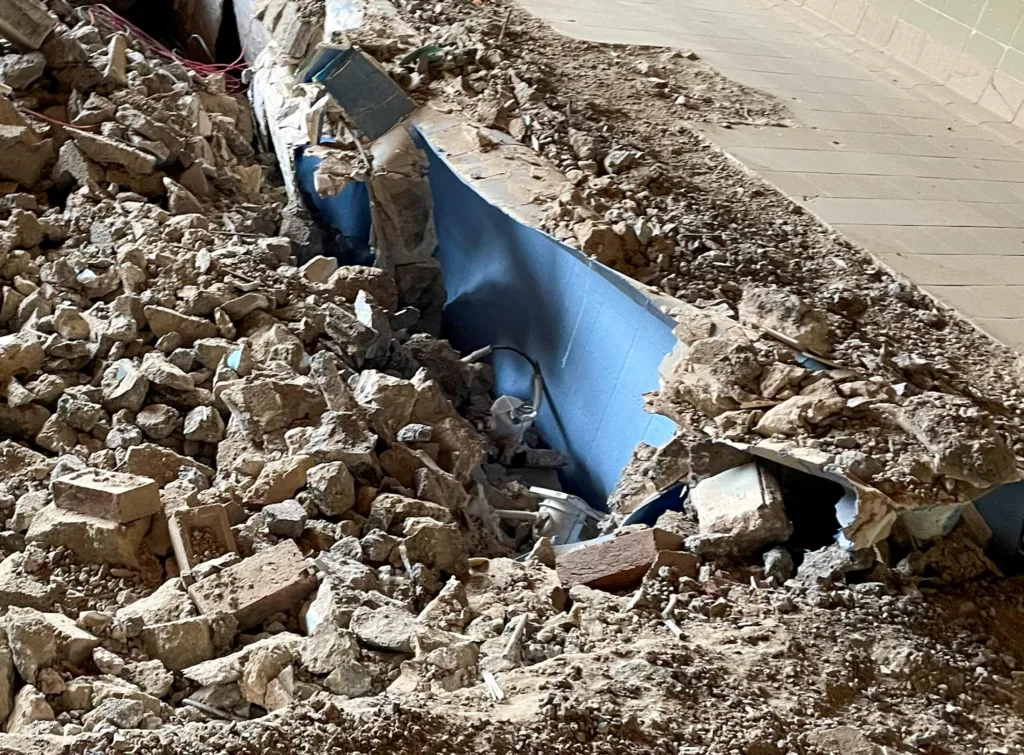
(25, 23)
(40, 640)
(179, 644)
(110, 151)
(163, 321)
(386, 628)
(159, 463)
(614, 562)
(169, 602)
(743, 505)
(109, 495)
(273, 580)
(91, 539)
(961, 438)
(200, 533)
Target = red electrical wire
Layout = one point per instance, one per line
(56, 122)
(159, 49)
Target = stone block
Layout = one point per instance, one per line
(196, 532)
(179, 644)
(91, 539)
(273, 580)
(743, 504)
(616, 562)
(159, 463)
(108, 495)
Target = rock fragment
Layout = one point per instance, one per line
(273, 580)
(115, 496)
(616, 561)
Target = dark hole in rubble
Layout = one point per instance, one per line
(157, 18)
(229, 46)
(810, 505)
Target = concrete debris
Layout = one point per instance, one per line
(287, 519)
(30, 706)
(741, 510)
(108, 495)
(617, 562)
(243, 477)
(780, 312)
(266, 583)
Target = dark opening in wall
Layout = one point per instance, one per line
(188, 28)
(810, 505)
(229, 47)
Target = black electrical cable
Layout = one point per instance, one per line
(523, 354)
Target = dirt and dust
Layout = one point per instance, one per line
(651, 197)
(187, 344)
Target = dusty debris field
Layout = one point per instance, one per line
(248, 502)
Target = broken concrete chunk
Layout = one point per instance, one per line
(124, 387)
(798, 415)
(351, 679)
(179, 644)
(19, 588)
(205, 425)
(614, 562)
(109, 151)
(389, 511)
(332, 487)
(181, 201)
(169, 602)
(273, 580)
(115, 496)
(29, 706)
(328, 648)
(439, 546)
(158, 421)
(160, 371)
(385, 628)
(39, 640)
(92, 539)
(785, 313)
(286, 519)
(163, 321)
(744, 505)
(831, 564)
(263, 665)
(279, 480)
(319, 269)
(160, 464)
(20, 71)
(389, 401)
(121, 714)
(20, 354)
(961, 438)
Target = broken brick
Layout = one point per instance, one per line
(614, 562)
(109, 495)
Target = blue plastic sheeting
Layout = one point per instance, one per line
(348, 213)
(1003, 511)
(598, 340)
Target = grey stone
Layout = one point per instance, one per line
(287, 519)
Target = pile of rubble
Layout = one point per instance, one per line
(231, 481)
(249, 499)
(792, 341)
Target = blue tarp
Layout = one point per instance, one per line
(598, 340)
